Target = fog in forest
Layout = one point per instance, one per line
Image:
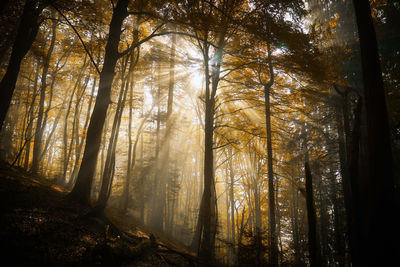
(249, 133)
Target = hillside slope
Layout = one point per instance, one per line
(40, 226)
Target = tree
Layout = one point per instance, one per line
(41, 122)
(81, 190)
(379, 238)
(315, 257)
(26, 34)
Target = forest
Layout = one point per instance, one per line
(246, 132)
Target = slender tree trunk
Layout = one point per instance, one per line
(46, 117)
(315, 258)
(82, 140)
(131, 148)
(26, 34)
(346, 147)
(81, 190)
(273, 244)
(295, 224)
(125, 194)
(257, 228)
(49, 138)
(40, 125)
(355, 221)
(339, 244)
(67, 149)
(131, 156)
(142, 202)
(28, 133)
(158, 215)
(108, 173)
(232, 203)
(24, 122)
(324, 228)
(278, 223)
(76, 141)
(228, 222)
(208, 214)
(167, 135)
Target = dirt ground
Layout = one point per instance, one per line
(39, 226)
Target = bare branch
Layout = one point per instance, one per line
(80, 38)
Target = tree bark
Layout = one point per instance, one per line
(40, 124)
(232, 203)
(315, 257)
(381, 232)
(26, 34)
(67, 150)
(108, 173)
(273, 244)
(294, 221)
(131, 148)
(28, 132)
(82, 140)
(208, 214)
(81, 190)
(158, 204)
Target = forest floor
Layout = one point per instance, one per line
(39, 226)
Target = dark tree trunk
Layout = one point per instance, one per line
(273, 244)
(131, 147)
(294, 220)
(231, 202)
(206, 242)
(315, 258)
(339, 243)
(81, 190)
(353, 209)
(28, 133)
(26, 34)
(208, 214)
(381, 231)
(348, 158)
(108, 173)
(67, 150)
(54, 126)
(40, 124)
(167, 140)
(79, 146)
(158, 216)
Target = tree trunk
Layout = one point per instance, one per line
(158, 215)
(381, 234)
(273, 244)
(131, 148)
(167, 137)
(208, 214)
(232, 204)
(81, 190)
(26, 34)
(294, 220)
(339, 244)
(80, 141)
(313, 246)
(108, 173)
(67, 150)
(30, 118)
(40, 125)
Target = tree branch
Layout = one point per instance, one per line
(80, 38)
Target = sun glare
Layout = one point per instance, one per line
(197, 79)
